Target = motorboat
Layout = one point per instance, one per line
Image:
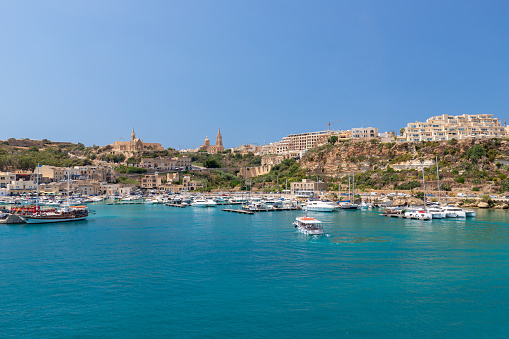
(309, 226)
(318, 206)
(204, 203)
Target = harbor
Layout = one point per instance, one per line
(248, 259)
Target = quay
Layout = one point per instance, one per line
(12, 219)
(261, 210)
(401, 216)
(126, 203)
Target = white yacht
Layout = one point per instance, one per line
(470, 213)
(318, 206)
(203, 203)
(437, 213)
(417, 213)
(454, 212)
(309, 226)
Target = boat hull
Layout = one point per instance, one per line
(36, 220)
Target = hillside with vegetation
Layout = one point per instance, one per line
(25, 154)
(465, 165)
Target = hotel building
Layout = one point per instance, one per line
(446, 127)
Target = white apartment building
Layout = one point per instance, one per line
(446, 127)
(299, 143)
(364, 133)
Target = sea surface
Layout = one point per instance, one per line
(158, 271)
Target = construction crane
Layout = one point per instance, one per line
(330, 123)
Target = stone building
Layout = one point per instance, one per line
(135, 145)
(307, 188)
(167, 163)
(218, 147)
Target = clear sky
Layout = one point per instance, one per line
(89, 71)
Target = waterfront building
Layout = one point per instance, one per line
(6, 178)
(218, 147)
(116, 189)
(191, 185)
(21, 186)
(135, 145)
(99, 173)
(446, 127)
(150, 181)
(307, 188)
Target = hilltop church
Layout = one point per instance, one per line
(218, 147)
(135, 145)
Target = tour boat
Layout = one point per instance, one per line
(309, 226)
(203, 203)
(318, 206)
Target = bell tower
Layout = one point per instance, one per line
(219, 138)
(133, 135)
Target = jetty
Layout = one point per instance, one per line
(12, 219)
(176, 205)
(401, 216)
(242, 211)
(237, 211)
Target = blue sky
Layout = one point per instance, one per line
(90, 71)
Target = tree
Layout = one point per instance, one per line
(211, 163)
(333, 139)
(475, 153)
(402, 130)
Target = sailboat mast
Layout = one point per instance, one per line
(438, 178)
(68, 204)
(353, 186)
(37, 197)
(349, 194)
(423, 184)
(339, 190)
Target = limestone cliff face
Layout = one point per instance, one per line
(342, 158)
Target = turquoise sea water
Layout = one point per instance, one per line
(157, 271)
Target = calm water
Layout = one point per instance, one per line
(153, 271)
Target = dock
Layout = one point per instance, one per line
(260, 210)
(401, 216)
(126, 203)
(12, 219)
(177, 205)
(237, 211)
